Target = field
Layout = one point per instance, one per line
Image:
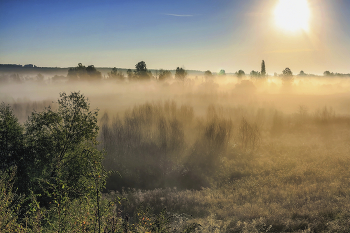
(221, 155)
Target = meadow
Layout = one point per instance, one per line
(225, 154)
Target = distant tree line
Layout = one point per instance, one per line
(141, 73)
(84, 73)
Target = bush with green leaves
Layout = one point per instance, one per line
(62, 144)
(55, 155)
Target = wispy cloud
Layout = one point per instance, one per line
(176, 15)
(291, 51)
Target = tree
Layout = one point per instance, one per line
(222, 72)
(114, 74)
(287, 77)
(164, 74)
(240, 74)
(180, 74)
(287, 72)
(84, 73)
(93, 74)
(11, 138)
(76, 73)
(129, 74)
(63, 146)
(12, 148)
(208, 74)
(263, 70)
(254, 74)
(302, 73)
(327, 73)
(141, 71)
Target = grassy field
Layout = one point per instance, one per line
(226, 156)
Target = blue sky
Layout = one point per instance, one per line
(195, 34)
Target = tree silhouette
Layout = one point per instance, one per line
(287, 72)
(263, 69)
(302, 73)
(254, 74)
(208, 74)
(130, 74)
(141, 72)
(93, 74)
(114, 74)
(240, 74)
(180, 74)
(222, 72)
(327, 73)
(76, 73)
(141, 67)
(84, 73)
(287, 77)
(164, 74)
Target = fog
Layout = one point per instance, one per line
(228, 91)
(217, 151)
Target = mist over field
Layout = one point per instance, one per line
(116, 97)
(224, 151)
(239, 121)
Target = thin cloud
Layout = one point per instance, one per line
(291, 51)
(176, 15)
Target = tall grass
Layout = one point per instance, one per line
(237, 166)
(296, 180)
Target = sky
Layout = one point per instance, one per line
(194, 34)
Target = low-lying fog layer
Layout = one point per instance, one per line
(115, 97)
(239, 155)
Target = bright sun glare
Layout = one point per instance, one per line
(292, 15)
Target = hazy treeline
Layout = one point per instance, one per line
(91, 73)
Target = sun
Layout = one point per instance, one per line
(292, 15)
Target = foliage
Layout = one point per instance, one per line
(327, 73)
(249, 135)
(11, 138)
(144, 144)
(208, 74)
(141, 72)
(302, 73)
(62, 143)
(287, 72)
(263, 69)
(164, 74)
(180, 74)
(58, 164)
(115, 75)
(240, 74)
(129, 74)
(12, 151)
(9, 203)
(222, 72)
(84, 73)
(287, 77)
(254, 74)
